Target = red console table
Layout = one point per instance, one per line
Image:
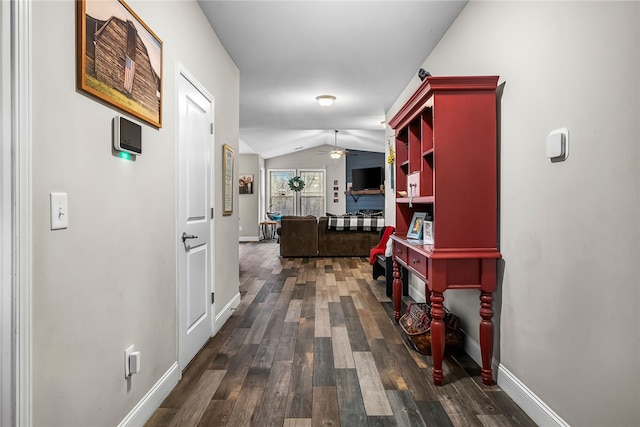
(446, 168)
(442, 271)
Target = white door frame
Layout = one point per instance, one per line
(181, 70)
(15, 217)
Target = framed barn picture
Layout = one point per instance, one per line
(119, 59)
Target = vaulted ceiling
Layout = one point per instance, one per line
(288, 52)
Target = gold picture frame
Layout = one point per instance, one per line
(119, 59)
(227, 180)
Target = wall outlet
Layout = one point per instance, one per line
(240, 228)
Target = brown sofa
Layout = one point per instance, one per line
(298, 236)
(308, 236)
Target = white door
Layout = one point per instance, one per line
(194, 218)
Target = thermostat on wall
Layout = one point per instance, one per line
(127, 136)
(558, 145)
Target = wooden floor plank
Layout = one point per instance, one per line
(388, 370)
(323, 322)
(299, 399)
(270, 411)
(369, 325)
(336, 315)
(348, 307)
(297, 422)
(350, 403)
(237, 370)
(217, 413)
(261, 366)
(415, 378)
(433, 414)
(357, 338)
(197, 403)
(405, 409)
(342, 354)
(373, 394)
(325, 407)
(293, 313)
(287, 342)
(248, 400)
(323, 367)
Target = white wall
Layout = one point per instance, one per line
(310, 159)
(567, 304)
(248, 209)
(109, 280)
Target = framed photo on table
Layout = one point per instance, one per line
(427, 233)
(415, 229)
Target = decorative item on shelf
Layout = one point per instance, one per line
(423, 74)
(427, 232)
(415, 229)
(413, 184)
(296, 183)
(402, 193)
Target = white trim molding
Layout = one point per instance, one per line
(15, 203)
(7, 380)
(244, 239)
(528, 401)
(225, 313)
(151, 401)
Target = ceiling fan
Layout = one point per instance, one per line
(336, 152)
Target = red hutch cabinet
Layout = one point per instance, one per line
(446, 162)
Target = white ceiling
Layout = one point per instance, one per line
(288, 52)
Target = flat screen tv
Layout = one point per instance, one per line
(367, 178)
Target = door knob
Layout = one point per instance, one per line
(186, 236)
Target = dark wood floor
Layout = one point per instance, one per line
(313, 344)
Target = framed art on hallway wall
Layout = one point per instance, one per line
(245, 183)
(119, 59)
(227, 180)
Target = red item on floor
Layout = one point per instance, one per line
(382, 245)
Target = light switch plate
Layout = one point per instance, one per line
(59, 211)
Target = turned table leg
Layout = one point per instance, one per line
(397, 290)
(486, 336)
(437, 335)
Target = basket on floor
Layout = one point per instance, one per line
(416, 324)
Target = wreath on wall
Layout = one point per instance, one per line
(296, 183)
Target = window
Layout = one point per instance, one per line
(309, 201)
(312, 196)
(281, 197)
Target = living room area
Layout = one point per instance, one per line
(314, 204)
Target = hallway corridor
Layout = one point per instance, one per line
(312, 343)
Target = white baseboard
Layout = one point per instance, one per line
(141, 413)
(249, 238)
(225, 313)
(416, 293)
(527, 400)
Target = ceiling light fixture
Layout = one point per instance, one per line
(325, 100)
(336, 152)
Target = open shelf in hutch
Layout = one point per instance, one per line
(446, 162)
